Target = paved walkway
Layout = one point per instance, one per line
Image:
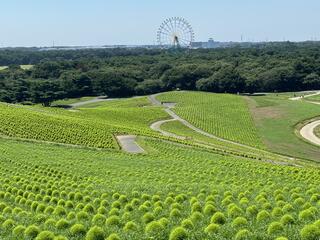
(308, 133)
(128, 144)
(305, 96)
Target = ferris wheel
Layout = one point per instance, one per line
(175, 32)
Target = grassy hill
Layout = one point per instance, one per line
(277, 120)
(198, 188)
(172, 192)
(226, 116)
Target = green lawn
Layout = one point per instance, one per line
(224, 115)
(276, 118)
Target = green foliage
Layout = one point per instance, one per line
(275, 227)
(212, 228)
(178, 233)
(154, 228)
(243, 234)
(310, 232)
(95, 233)
(218, 218)
(216, 114)
(78, 229)
(45, 235)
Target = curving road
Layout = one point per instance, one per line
(157, 125)
(307, 132)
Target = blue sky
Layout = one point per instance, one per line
(97, 22)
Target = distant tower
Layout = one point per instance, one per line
(210, 43)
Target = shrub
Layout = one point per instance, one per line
(209, 209)
(239, 221)
(8, 224)
(287, 219)
(212, 228)
(306, 215)
(62, 224)
(281, 238)
(113, 221)
(275, 227)
(252, 210)
(196, 217)
(263, 216)
(78, 229)
(50, 223)
(187, 224)
(31, 231)
(59, 211)
(45, 235)
(310, 232)
(164, 221)
(130, 226)
(154, 228)
(276, 212)
(175, 213)
(18, 231)
(218, 218)
(234, 211)
(98, 219)
(147, 217)
(82, 216)
(95, 233)
(178, 233)
(243, 235)
(113, 236)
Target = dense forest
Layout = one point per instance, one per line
(62, 74)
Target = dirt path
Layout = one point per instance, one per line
(95, 100)
(128, 144)
(305, 96)
(307, 132)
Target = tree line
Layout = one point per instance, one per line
(121, 72)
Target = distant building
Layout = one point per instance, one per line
(210, 44)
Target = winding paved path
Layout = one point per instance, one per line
(157, 125)
(305, 96)
(308, 133)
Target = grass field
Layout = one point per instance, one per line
(172, 193)
(85, 127)
(276, 118)
(199, 188)
(226, 116)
